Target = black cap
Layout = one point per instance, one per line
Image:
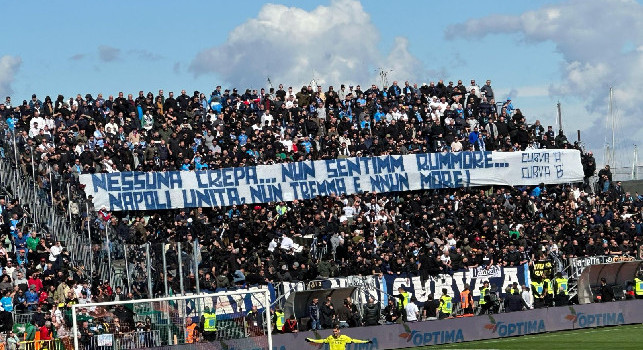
(33, 96)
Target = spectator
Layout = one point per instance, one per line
(291, 325)
(513, 301)
(527, 297)
(605, 294)
(412, 313)
(392, 313)
(314, 314)
(327, 315)
(371, 313)
(430, 308)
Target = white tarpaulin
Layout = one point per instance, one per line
(306, 180)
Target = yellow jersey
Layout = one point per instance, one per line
(338, 343)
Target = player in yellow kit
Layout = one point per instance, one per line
(337, 341)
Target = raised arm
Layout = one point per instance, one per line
(318, 341)
(359, 341)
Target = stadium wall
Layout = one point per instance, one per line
(476, 328)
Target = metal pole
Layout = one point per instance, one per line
(127, 269)
(51, 187)
(33, 173)
(89, 236)
(15, 155)
(611, 111)
(69, 202)
(149, 270)
(52, 210)
(164, 269)
(195, 246)
(196, 266)
(635, 163)
(75, 326)
(109, 255)
(267, 319)
(560, 116)
(178, 252)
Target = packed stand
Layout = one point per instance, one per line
(421, 232)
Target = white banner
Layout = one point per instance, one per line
(486, 271)
(579, 264)
(309, 179)
(105, 340)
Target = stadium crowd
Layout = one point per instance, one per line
(419, 232)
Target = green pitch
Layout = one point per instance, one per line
(621, 337)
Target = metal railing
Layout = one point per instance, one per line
(123, 341)
(53, 344)
(44, 216)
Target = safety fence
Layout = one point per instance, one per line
(105, 341)
(51, 201)
(122, 341)
(52, 344)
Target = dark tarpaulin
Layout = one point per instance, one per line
(297, 302)
(615, 274)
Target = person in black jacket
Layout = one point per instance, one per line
(327, 315)
(430, 308)
(514, 302)
(391, 312)
(371, 313)
(606, 293)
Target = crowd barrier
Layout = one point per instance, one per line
(478, 328)
(53, 344)
(129, 340)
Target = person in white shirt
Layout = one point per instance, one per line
(412, 311)
(55, 251)
(49, 122)
(290, 102)
(442, 105)
(111, 127)
(290, 93)
(527, 297)
(475, 88)
(9, 269)
(456, 146)
(345, 139)
(349, 211)
(37, 119)
(34, 130)
(266, 118)
(287, 142)
(434, 103)
(445, 258)
(273, 245)
(56, 315)
(451, 242)
(287, 243)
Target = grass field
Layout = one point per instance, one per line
(621, 337)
